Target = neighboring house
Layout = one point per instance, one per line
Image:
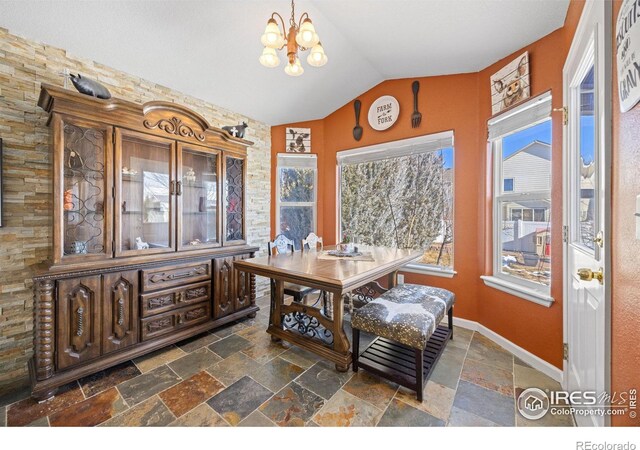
(528, 170)
(526, 223)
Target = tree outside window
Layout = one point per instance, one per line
(402, 202)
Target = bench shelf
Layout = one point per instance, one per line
(397, 362)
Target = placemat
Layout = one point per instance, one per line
(364, 256)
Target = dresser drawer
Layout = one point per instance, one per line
(169, 299)
(164, 323)
(170, 276)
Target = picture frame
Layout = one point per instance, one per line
(510, 85)
(298, 140)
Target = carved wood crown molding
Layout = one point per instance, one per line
(175, 126)
(170, 117)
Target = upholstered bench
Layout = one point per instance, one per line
(410, 340)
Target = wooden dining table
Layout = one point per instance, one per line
(320, 329)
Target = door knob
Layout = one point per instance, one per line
(588, 275)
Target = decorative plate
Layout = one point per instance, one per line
(383, 113)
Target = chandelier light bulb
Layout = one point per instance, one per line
(317, 56)
(295, 69)
(272, 36)
(269, 57)
(307, 36)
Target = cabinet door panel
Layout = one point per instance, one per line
(242, 284)
(198, 197)
(223, 284)
(234, 209)
(145, 194)
(79, 323)
(120, 310)
(83, 212)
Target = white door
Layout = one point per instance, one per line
(587, 96)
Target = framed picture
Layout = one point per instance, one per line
(1, 183)
(298, 140)
(510, 85)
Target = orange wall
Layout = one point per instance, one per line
(625, 270)
(462, 103)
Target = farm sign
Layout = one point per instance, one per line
(383, 113)
(628, 54)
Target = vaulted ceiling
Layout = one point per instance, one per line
(210, 48)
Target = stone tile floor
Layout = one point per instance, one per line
(235, 376)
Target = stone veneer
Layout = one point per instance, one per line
(26, 238)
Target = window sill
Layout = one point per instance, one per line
(517, 290)
(428, 270)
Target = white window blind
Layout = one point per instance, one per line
(396, 149)
(523, 116)
(297, 160)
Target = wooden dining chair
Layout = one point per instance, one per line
(282, 245)
(311, 242)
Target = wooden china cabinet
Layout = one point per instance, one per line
(149, 217)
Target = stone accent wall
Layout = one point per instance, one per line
(26, 238)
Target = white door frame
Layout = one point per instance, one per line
(603, 51)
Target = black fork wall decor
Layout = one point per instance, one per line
(416, 117)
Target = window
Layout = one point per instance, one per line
(521, 143)
(400, 194)
(508, 184)
(296, 196)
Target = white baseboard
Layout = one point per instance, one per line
(526, 356)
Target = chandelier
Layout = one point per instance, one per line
(301, 36)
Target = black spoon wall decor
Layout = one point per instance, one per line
(357, 130)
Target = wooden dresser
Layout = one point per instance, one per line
(149, 216)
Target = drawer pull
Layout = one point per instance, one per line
(80, 321)
(158, 278)
(121, 312)
(178, 297)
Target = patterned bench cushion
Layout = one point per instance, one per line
(408, 313)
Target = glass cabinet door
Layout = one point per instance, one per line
(234, 174)
(83, 213)
(145, 194)
(198, 197)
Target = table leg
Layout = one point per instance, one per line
(327, 307)
(272, 302)
(393, 279)
(277, 298)
(340, 340)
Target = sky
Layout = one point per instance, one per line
(515, 141)
(542, 133)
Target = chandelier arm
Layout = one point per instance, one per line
(284, 28)
(302, 17)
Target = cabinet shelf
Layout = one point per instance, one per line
(82, 211)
